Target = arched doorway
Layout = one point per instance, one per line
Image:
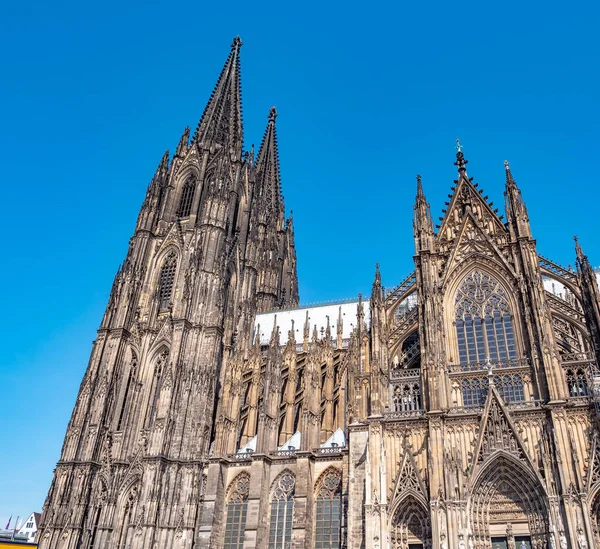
(507, 506)
(410, 527)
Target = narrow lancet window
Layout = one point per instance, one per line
(124, 402)
(328, 510)
(237, 503)
(95, 528)
(166, 281)
(156, 384)
(282, 509)
(187, 196)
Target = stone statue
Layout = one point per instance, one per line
(461, 541)
(581, 541)
(563, 540)
(552, 541)
(443, 542)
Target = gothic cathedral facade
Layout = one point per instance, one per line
(455, 410)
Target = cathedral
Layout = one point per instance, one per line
(456, 410)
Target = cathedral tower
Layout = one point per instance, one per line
(211, 247)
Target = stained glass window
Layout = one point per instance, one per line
(282, 510)
(509, 387)
(187, 195)
(237, 507)
(328, 510)
(474, 391)
(484, 324)
(166, 281)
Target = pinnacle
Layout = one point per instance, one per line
(509, 177)
(164, 162)
(183, 144)
(461, 162)
(420, 193)
(581, 257)
(377, 281)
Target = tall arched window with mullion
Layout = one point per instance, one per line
(484, 325)
(282, 511)
(187, 196)
(328, 510)
(166, 281)
(128, 389)
(94, 532)
(235, 520)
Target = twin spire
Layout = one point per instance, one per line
(267, 170)
(221, 122)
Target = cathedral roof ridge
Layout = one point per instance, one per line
(325, 303)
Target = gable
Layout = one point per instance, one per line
(472, 242)
(465, 200)
(498, 435)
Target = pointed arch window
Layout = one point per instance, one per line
(282, 510)
(94, 532)
(187, 196)
(328, 510)
(484, 323)
(127, 515)
(407, 396)
(128, 387)
(577, 381)
(237, 503)
(166, 281)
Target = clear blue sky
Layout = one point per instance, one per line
(369, 94)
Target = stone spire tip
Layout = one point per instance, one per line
(460, 157)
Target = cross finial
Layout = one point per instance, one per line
(272, 113)
(237, 42)
(506, 165)
(460, 157)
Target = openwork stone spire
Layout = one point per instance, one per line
(582, 260)
(267, 168)
(516, 211)
(221, 122)
(422, 223)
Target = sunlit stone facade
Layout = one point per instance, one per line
(454, 410)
